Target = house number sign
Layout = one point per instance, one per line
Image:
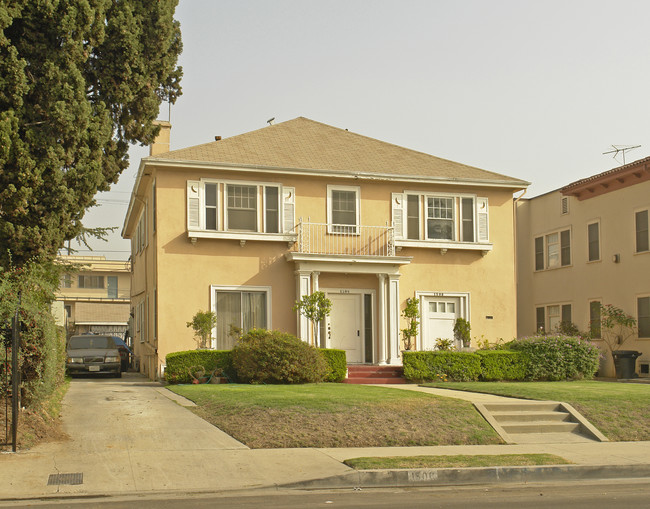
(344, 291)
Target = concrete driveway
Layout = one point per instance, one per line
(128, 435)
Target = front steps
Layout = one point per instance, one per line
(535, 422)
(366, 374)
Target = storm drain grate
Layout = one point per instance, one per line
(59, 479)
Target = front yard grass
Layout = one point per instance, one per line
(621, 411)
(336, 415)
(458, 461)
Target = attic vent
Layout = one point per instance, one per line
(565, 205)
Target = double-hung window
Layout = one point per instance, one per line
(214, 206)
(641, 228)
(241, 209)
(593, 233)
(548, 318)
(553, 250)
(343, 209)
(238, 311)
(440, 218)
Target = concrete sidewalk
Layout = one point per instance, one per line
(130, 436)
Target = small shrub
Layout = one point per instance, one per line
(503, 365)
(263, 356)
(444, 345)
(558, 357)
(430, 366)
(179, 364)
(462, 329)
(337, 362)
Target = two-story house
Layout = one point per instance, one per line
(584, 245)
(247, 225)
(95, 297)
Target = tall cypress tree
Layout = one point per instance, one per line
(80, 80)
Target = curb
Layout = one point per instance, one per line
(429, 477)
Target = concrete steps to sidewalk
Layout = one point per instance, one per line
(367, 374)
(538, 422)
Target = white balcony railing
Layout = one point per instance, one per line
(339, 239)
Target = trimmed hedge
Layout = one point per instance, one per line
(178, 363)
(337, 364)
(263, 356)
(441, 366)
(503, 365)
(558, 357)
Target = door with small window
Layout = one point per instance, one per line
(438, 322)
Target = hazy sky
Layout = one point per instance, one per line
(534, 90)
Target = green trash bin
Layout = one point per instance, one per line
(625, 363)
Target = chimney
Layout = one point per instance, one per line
(161, 144)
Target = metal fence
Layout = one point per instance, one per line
(342, 239)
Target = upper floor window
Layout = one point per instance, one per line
(593, 233)
(66, 281)
(421, 216)
(91, 281)
(553, 250)
(343, 209)
(239, 207)
(641, 225)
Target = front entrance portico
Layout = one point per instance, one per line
(311, 267)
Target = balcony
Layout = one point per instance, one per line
(348, 240)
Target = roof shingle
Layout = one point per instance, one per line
(303, 144)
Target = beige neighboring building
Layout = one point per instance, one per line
(585, 244)
(247, 225)
(95, 297)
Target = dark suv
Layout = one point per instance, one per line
(92, 354)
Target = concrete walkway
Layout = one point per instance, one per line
(129, 436)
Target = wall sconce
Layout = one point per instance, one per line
(616, 258)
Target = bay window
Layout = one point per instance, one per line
(244, 207)
(440, 218)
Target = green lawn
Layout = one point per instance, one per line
(457, 461)
(336, 415)
(621, 411)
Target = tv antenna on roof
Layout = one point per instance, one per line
(620, 148)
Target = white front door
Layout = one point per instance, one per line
(440, 316)
(345, 328)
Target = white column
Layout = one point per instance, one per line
(393, 319)
(314, 288)
(303, 279)
(382, 322)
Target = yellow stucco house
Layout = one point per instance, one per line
(95, 297)
(585, 244)
(247, 225)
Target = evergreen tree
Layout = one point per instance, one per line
(80, 80)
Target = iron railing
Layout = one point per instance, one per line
(342, 239)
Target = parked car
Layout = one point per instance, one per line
(92, 354)
(125, 352)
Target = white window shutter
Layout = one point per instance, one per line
(193, 205)
(398, 210)
(288, 209)
(483, 219)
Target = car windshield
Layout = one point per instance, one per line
(87, 342)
